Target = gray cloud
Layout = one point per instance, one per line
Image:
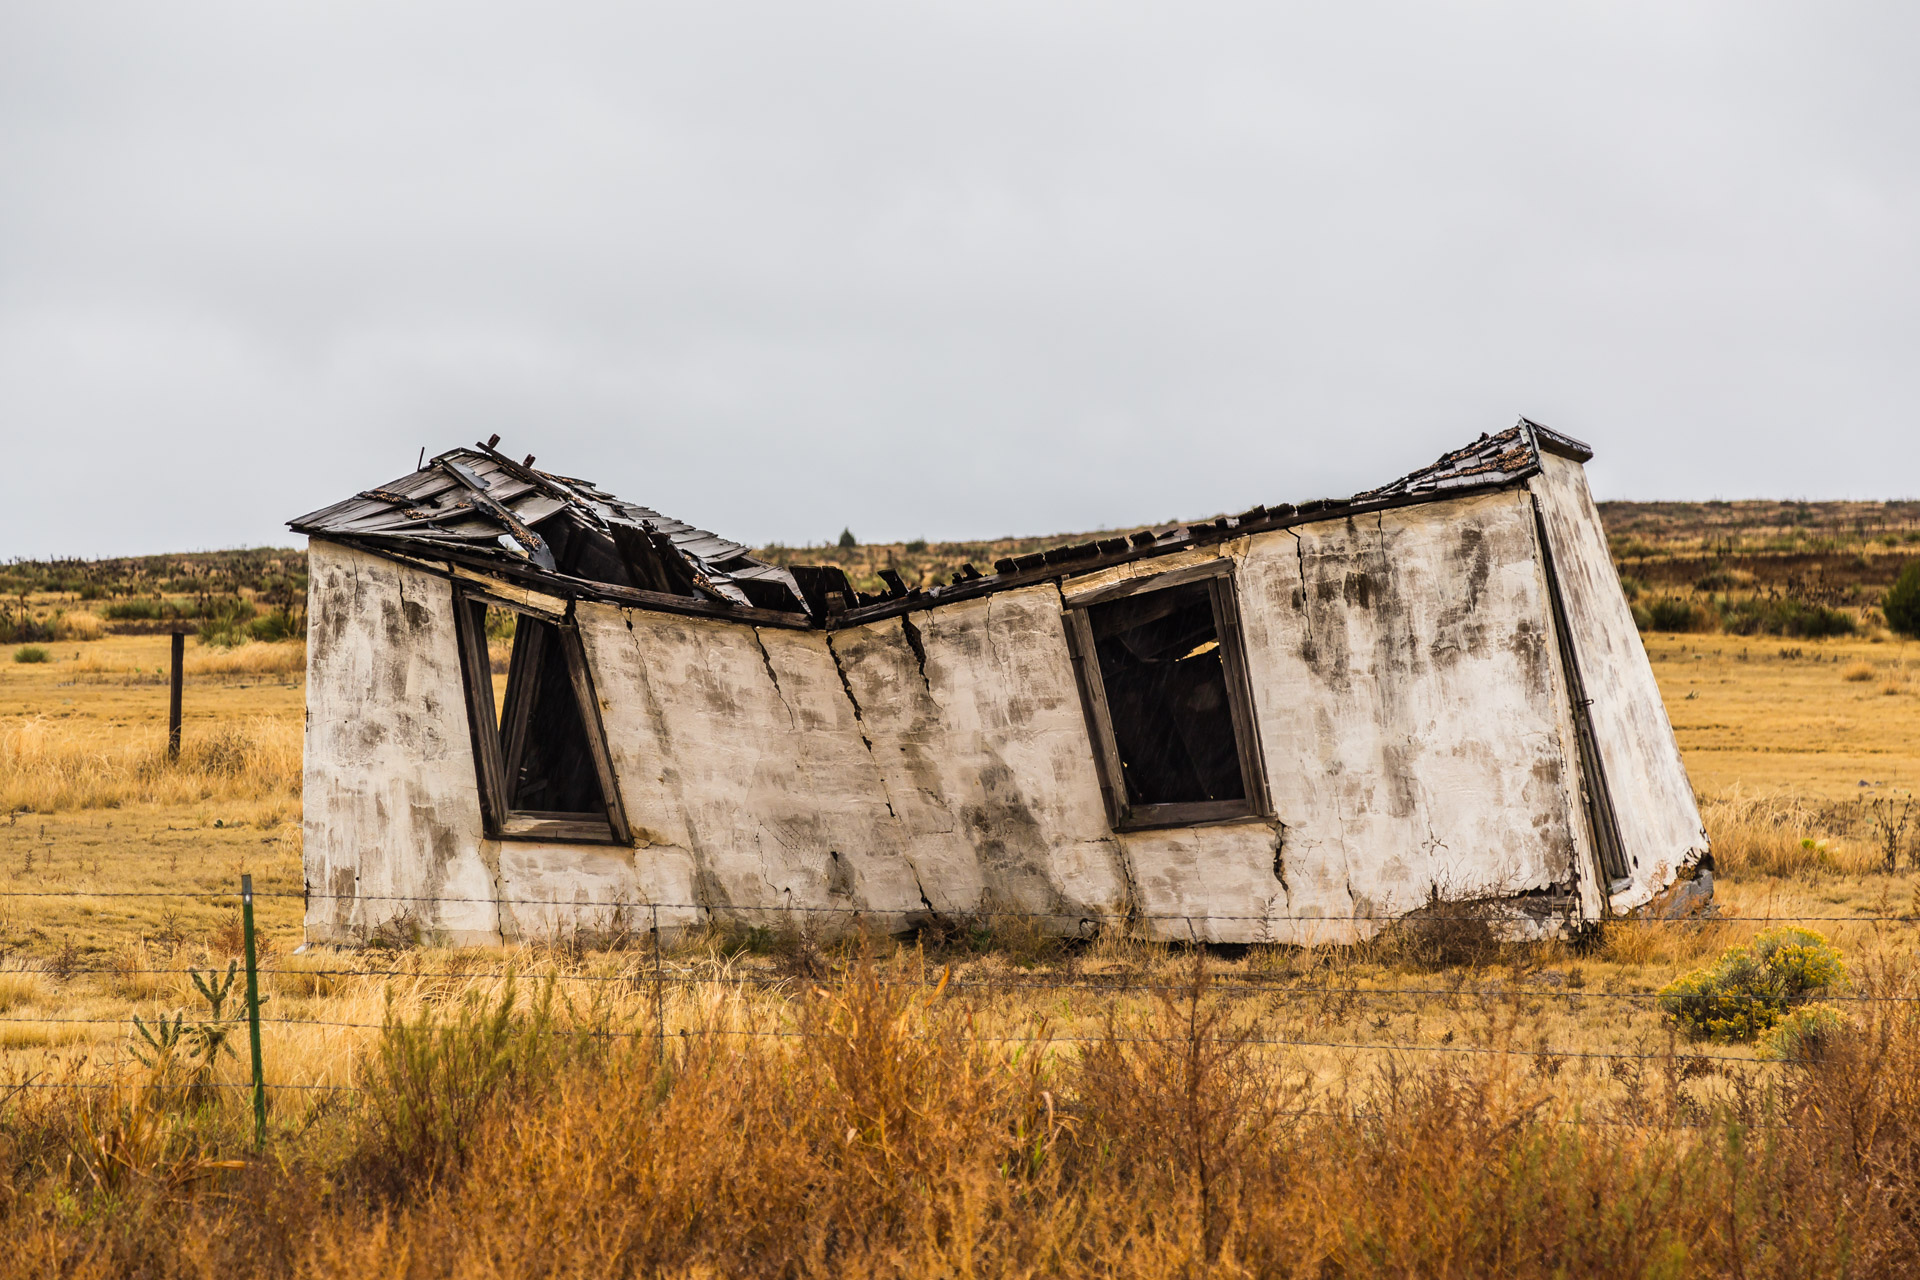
(941, 269)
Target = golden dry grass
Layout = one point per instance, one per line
(897, 1132)
(48, 767)
(1777, 717)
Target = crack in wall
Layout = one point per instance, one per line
(921, 889)
(1306, 596)
(766, 660)
(846, 687)
(859, 719)
(1346, 858)
(918, 644)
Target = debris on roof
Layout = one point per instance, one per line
(478, 508)
(1508, 456)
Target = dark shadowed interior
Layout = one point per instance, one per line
(549, 762)
(1166, 691)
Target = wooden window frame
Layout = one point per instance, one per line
(1122, 815)
(490, 755)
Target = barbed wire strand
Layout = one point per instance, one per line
(965, 916)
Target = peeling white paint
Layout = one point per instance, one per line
(1414, 721)
(392, 814)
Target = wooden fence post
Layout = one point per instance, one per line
(173, 697)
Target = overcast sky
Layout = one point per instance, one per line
(953, 270)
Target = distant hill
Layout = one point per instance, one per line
(1840, 552)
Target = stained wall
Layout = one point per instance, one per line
(1412, 716)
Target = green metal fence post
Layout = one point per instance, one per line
(253, 1014)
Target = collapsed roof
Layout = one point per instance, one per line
(479, 509)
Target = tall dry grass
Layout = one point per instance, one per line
(254, 658)
(45, 767)
(891, 1137)
(1787, 837)
(77, 625)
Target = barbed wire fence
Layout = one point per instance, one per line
(652, 971)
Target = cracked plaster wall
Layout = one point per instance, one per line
(1406, 691)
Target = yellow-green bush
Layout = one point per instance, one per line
(1749, 990)
(1805, 1034)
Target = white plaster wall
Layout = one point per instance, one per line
(985, 756)
(742, 764)
(1659, 819)
(1409, 711)
(391, 819)
(1406, 692)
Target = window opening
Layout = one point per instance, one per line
(1164, 681)
(540, 750)
(549, 765)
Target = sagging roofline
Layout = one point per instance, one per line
(1490, 464)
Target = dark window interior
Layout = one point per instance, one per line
(543, 742)
(1166, 691)
(539, 750)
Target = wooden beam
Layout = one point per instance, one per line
(476, 671)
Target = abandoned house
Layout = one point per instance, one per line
(533, 707)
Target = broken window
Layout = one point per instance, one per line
(539, 748)
(1163, 680)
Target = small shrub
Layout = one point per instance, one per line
(1805, 1035)
(1724, 579)
(1444, 935)
(1670, 613)
(224, 622)
(1786, 617)
(917, 547)
(1858, 673)
(501, 624)
(227, 750)
(282, 624)
(1748, 990)
(429, 1081)
(30, 653)
(20, 627)
(77, 625)
(1902, 602)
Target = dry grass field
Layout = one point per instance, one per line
(986, 1102)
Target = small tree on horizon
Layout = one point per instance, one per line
(1902, 605)
(847, 539)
